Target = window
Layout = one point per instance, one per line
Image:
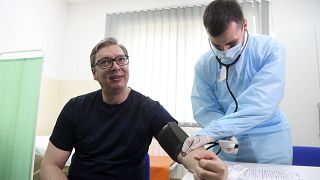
(163, 46)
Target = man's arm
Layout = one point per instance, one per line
(171, 139)
(192, 161)
(189, 161)
(53, 163)
(209, 167)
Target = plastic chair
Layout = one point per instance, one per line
(306, 156)
(147, 163)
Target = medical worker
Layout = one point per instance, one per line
(237, 89)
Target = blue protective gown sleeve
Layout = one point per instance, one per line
(257, 81)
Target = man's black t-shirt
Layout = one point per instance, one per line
(110, 141)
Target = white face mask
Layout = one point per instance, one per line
(228, 56)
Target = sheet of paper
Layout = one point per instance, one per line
(238, 172)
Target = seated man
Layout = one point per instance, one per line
(111, 128)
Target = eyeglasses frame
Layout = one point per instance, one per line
(112, 60)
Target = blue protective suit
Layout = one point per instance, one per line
(257, 80)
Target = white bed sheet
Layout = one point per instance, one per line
(41, 146)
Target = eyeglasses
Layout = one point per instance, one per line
(107, 62)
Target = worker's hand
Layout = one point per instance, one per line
(232, 147)
(195, 142)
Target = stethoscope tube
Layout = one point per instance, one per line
(227, 75)
(227, 70)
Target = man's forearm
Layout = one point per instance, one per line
(52, 172)
(189, 161)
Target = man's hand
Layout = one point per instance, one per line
(195, 142)
(209, 167)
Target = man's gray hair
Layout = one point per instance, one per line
(104, 43)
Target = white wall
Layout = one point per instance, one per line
(295, 24)
(34, 24)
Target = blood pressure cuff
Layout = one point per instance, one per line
(171, 139)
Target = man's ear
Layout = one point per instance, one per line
(245, 24)
(93, 70)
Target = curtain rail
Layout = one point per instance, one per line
(175, 7)
(22, 51)
(155, 9)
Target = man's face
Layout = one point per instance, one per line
(233, 35)
(116, 77)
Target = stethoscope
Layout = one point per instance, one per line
(227, 69)
(222, 144)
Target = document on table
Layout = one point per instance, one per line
(239, 172)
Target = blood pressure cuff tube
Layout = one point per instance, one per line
(171, 139)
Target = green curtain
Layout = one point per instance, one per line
(19, 95)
